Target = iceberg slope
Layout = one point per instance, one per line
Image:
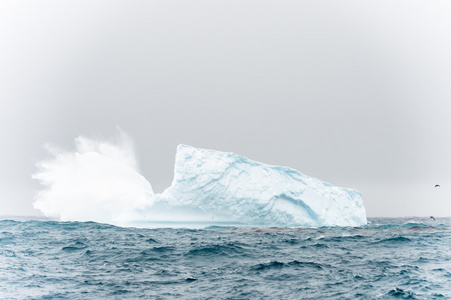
(226, 187)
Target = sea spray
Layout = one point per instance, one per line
(99, 181)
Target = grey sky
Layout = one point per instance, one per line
(355, 93)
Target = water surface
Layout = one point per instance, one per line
(403, 258)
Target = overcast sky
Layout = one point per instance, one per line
(355, 93)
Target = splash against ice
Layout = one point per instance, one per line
(100, 182)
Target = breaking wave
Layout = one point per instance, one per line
(99, 181)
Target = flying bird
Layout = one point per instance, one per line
(432, 217)
(437, 185)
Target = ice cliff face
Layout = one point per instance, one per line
(231, 188)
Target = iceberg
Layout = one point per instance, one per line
(100, 182)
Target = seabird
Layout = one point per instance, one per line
(432, 218)
(437, 185)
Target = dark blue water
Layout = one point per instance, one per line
(388, 259)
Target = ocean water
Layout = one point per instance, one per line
(402, 258)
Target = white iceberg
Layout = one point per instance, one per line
(209, 188)
(231, 188)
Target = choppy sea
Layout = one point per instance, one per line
(402, 258)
